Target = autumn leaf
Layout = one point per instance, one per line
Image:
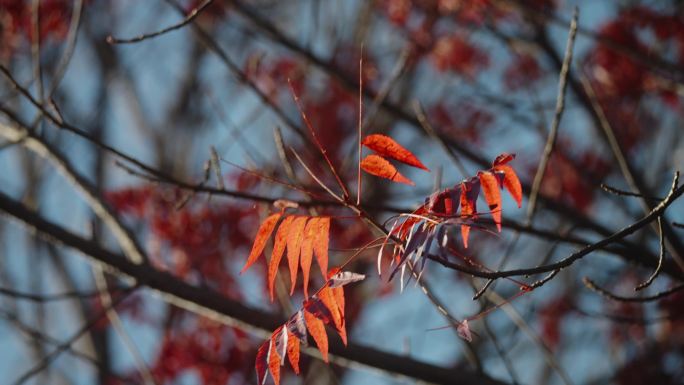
(274, 360)
(320, 243)
(388, 148)
(293, 351)
(378, 166)
(511, 182)
(278, 250)
(260, 240)
(294, 244)
(328, 299)
(470, 189)
(490, 189)
(261, 363)
(307, 252)
(503, 159)
(317, 330)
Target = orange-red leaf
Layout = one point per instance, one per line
(278, 250)
(260, 240)
(469, 192)
(274, 359)
(317, 331)
(511, 182)
(490, 190)
(379, 166)
(320, 244)
(261, 364)
(294, 244)
(293, 351)
(387, 147)
(329, 300)
(307, 251)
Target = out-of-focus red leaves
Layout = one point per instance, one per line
(456, 53)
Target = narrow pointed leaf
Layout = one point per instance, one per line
(274, 360)
(503, 159)
(378, 166)
(389, 148)
(317, 331)
(511, 182)
(492, 194)
(328, 299)
(307, 252)
(278, 250)
(320, 244)
(294, 244)
(261, 364)
(264, 232)
(293, 351)
(469, 192)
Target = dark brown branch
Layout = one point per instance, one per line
(617, 191)
(661, 257)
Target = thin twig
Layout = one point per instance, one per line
(425, 123)
(560, 106)
(591, 285)
(661, 257)
(188, 19)
(617, 191)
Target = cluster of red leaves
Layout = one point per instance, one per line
(463, 122)
(564, 179)
(386, 147)
(429, 222)
(522, 72)
(326, 307)
(619, 74)
(16, 25)
(457, 53)
(302, 236)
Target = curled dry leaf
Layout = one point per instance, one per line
(379, 166)
(389, 148)
(344, 277)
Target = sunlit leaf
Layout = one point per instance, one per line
(320, 244)
(278, 250)
(378, 166)
(492, 194)
(389, 148)
(264, 232)
(317, 330)
(307, 251)
(294, 245)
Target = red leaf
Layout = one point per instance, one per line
(278, 250)
(293, 351)
(490, 189)
(317, 331)
(378, 166)
(387, 147)
(511, 182)
(503, 159)
(294, 244)
(470, 189)
(274, 359)
(320, 243)
(328, 299)
(262, 236)
(307, 252)
(338, 292)
(261, 363)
